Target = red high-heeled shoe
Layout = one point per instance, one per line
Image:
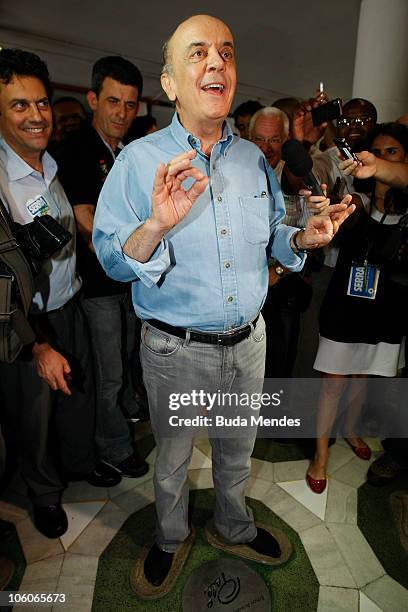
(362, 452)
(316, 485)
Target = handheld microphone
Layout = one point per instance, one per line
(300, 164)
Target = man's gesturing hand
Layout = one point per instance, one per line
(170, 202)
(52, 367)
(320, 229)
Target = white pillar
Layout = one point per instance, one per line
(381, 65)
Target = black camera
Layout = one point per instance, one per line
(42, 237)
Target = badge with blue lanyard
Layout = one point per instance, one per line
(364, 277)
(363, 280)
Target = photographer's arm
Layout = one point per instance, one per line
(391, 173)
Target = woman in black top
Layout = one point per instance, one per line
(363, 316)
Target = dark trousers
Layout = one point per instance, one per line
(47, 426)
(282, 332)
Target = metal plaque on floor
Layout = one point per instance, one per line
(228, 585)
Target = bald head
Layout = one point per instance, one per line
(181, 29)
(199, 74)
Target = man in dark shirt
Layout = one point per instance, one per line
(85, 159)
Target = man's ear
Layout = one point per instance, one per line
(167, 85)
(92, 100)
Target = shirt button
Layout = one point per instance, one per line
(230, 298)
(214, 166)
(219, 199)
(223, 232)
(227, 265)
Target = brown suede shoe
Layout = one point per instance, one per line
(143, 588)
(247, 552)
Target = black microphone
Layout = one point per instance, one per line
(300, 164)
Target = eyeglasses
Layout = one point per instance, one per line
(262, 141)
(346, 121)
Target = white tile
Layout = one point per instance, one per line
(204, 445)
(199, 460)
(388, 594)
(99, 533)
(325, 558)
(201, 479)
(34, 544)
(288, 509)
(262, 469)
(334, 599)
(137, 498)
(341, 505)
(342, 442)
(82, 491)
(339, 455)
(40, 577)
(359, 557)
(366, 605)
(40, 571)
(77, 581)
(127, 484)
(353, 473)
(286, 471)
(79, 516)
(302, 493)
(257, 488)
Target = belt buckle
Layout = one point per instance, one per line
(228, 334)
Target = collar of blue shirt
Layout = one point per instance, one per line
(186, 139)
(18, 169)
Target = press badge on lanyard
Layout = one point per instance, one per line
(38, 206)
(363, 281)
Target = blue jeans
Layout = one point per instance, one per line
(169, 361)
(111, 324)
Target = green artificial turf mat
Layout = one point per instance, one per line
(293, 586)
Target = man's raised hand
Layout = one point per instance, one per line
(321, 228)
(170, 201)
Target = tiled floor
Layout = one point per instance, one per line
(350, 576)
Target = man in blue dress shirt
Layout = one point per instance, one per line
(190, 214)
(46, 395)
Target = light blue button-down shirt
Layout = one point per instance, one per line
(210, 272)
(26, 192)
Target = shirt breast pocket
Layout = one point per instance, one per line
(255, 219)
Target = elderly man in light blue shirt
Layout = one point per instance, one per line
(191, 214)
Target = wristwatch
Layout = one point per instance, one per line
(280, 271)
